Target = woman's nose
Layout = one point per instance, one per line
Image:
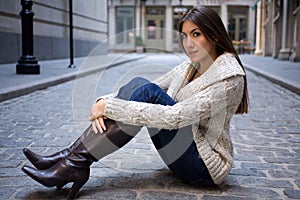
(189, 42)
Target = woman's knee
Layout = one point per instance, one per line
(135, 83)
(126, 91)
(138, 81)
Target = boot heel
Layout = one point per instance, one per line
(76, 187)
(60, 186)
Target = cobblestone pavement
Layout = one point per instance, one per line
(266, 142)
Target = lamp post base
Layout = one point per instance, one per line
(72, 66)
(27, 66)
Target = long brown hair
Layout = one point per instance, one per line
(211, 26)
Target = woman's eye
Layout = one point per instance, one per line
(183, 36)
(196, 34)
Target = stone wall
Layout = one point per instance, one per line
(51, 28)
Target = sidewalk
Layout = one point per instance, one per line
(284, 73)
(53, 72)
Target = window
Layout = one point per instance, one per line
(124, 22)
(151, 29)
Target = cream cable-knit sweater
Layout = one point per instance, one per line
(207, 103)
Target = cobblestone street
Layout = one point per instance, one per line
(266, 142)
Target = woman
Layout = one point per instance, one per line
(187, 112)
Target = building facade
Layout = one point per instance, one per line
(51, 28)
(278, 29)
(154, 23)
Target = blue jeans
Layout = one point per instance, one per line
(176, 147)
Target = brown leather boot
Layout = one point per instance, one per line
(75, 167)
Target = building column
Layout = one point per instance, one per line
(111, 28)
(143, 25)
(138, 21)
(224, 15)
(284, 52)
(258, 49)
(169, 28)
(295, 52)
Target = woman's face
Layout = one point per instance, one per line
(195, 43)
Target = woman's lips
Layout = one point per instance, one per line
(192, 53)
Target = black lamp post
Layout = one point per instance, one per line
(71, 34)
(27, 64)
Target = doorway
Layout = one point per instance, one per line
(155, 29)
(238, 22)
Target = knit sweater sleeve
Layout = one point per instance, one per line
(189, 111)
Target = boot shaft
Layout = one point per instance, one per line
(115, 137)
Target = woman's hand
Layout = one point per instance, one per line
(96, 116)
(98, 125)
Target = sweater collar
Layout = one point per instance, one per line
(225, 66)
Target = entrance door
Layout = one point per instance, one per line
(237, 27)
(155, 32)
(238, 22)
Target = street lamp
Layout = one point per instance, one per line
(71, 34)
(27, 64)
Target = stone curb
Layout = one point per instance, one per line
(288, 84)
